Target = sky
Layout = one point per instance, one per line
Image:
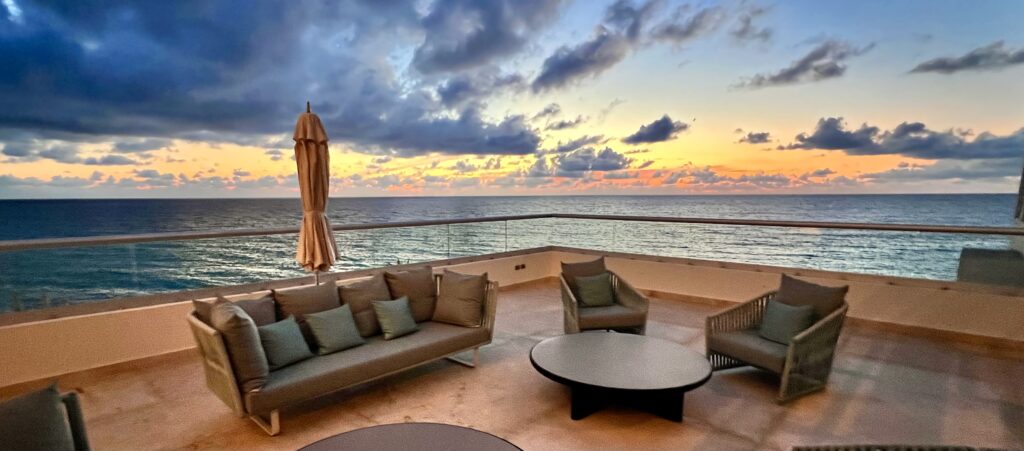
(112, 99)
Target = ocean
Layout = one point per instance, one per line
(40, 278)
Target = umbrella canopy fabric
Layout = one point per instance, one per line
(317, 250)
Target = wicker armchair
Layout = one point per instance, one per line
(629, 314)
(807, 360)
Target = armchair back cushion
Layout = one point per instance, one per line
(782, 322)
(461, 301)
(283, 343)
(570, 271)
(822, 299)
(300, 301)
(419, 286)
(360, 296)
(595, 291)
(35, 421)
(242, 340)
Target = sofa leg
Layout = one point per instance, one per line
(273, 427)
(472, 364)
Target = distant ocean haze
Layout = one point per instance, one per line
(33, 279)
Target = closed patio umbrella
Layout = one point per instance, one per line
(317, 250)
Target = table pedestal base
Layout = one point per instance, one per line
(667, 404)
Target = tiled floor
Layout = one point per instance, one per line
(885, 388)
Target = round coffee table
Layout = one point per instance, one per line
(412, 436)
(604, 367)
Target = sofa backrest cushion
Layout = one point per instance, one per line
(303, 300)
(570, 271)
(595, 291)
(823, 299)
(461, 299)
(259, 306)
(360, 296)
(35, 421)
(242, 341)
(335, 330)
(419, 286)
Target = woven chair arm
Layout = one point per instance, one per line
(570, 306)
(815, 346)
(627, 295)
(490, 306)
(739, 317)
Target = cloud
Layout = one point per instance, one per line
(577, 143)
(141, 145)
(581, 161)
(566, 123)
(823, 62)
(993, 169)
(110, 160)
(681, 29)
(756, 138)
(464, 166)
(663, 129)
(551, 110)
(463, 89)
(910, 139)
(227, 73)
(274, 154)
(610, 43)
(746, 30)
(460, 34)
(990, 57)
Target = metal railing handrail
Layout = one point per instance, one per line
(101, 240)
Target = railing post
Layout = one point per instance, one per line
(506, 236)
(449, 241)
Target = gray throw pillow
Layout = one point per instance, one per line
(242, 340)
(35, 421)
(595, 291)
(419, 286)
(461, 301)
(570, 271)
(335, 330)
(283, 343)
(782, 322)
(360, 296)
(823, 299)
(301, 301)
(395, 317)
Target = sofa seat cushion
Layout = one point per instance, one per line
(324, 374)
(748, 346)
(610, 317)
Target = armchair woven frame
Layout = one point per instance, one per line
(808, 359)
(625, 295)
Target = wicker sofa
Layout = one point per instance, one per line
(324, 374)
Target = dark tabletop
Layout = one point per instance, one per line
(413, 436)
(620, 361)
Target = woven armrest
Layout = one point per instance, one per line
(570, 308)
(739, 317)
(628, 296)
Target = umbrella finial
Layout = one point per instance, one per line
(307, 106)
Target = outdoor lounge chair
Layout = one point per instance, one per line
(627, 314)
(43, 420)
(733, 340)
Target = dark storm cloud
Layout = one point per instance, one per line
(460, 34)
(233, 72)
(910, 139)
(823, 62)
(990, 57)
(683, 28)
(612, 40)
(756, 138)
(662, 129)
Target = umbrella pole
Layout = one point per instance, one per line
(316, 277)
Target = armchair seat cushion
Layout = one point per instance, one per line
(611, 317)
(748, 346)
(323, 374)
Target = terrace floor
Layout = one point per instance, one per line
(885, 388)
